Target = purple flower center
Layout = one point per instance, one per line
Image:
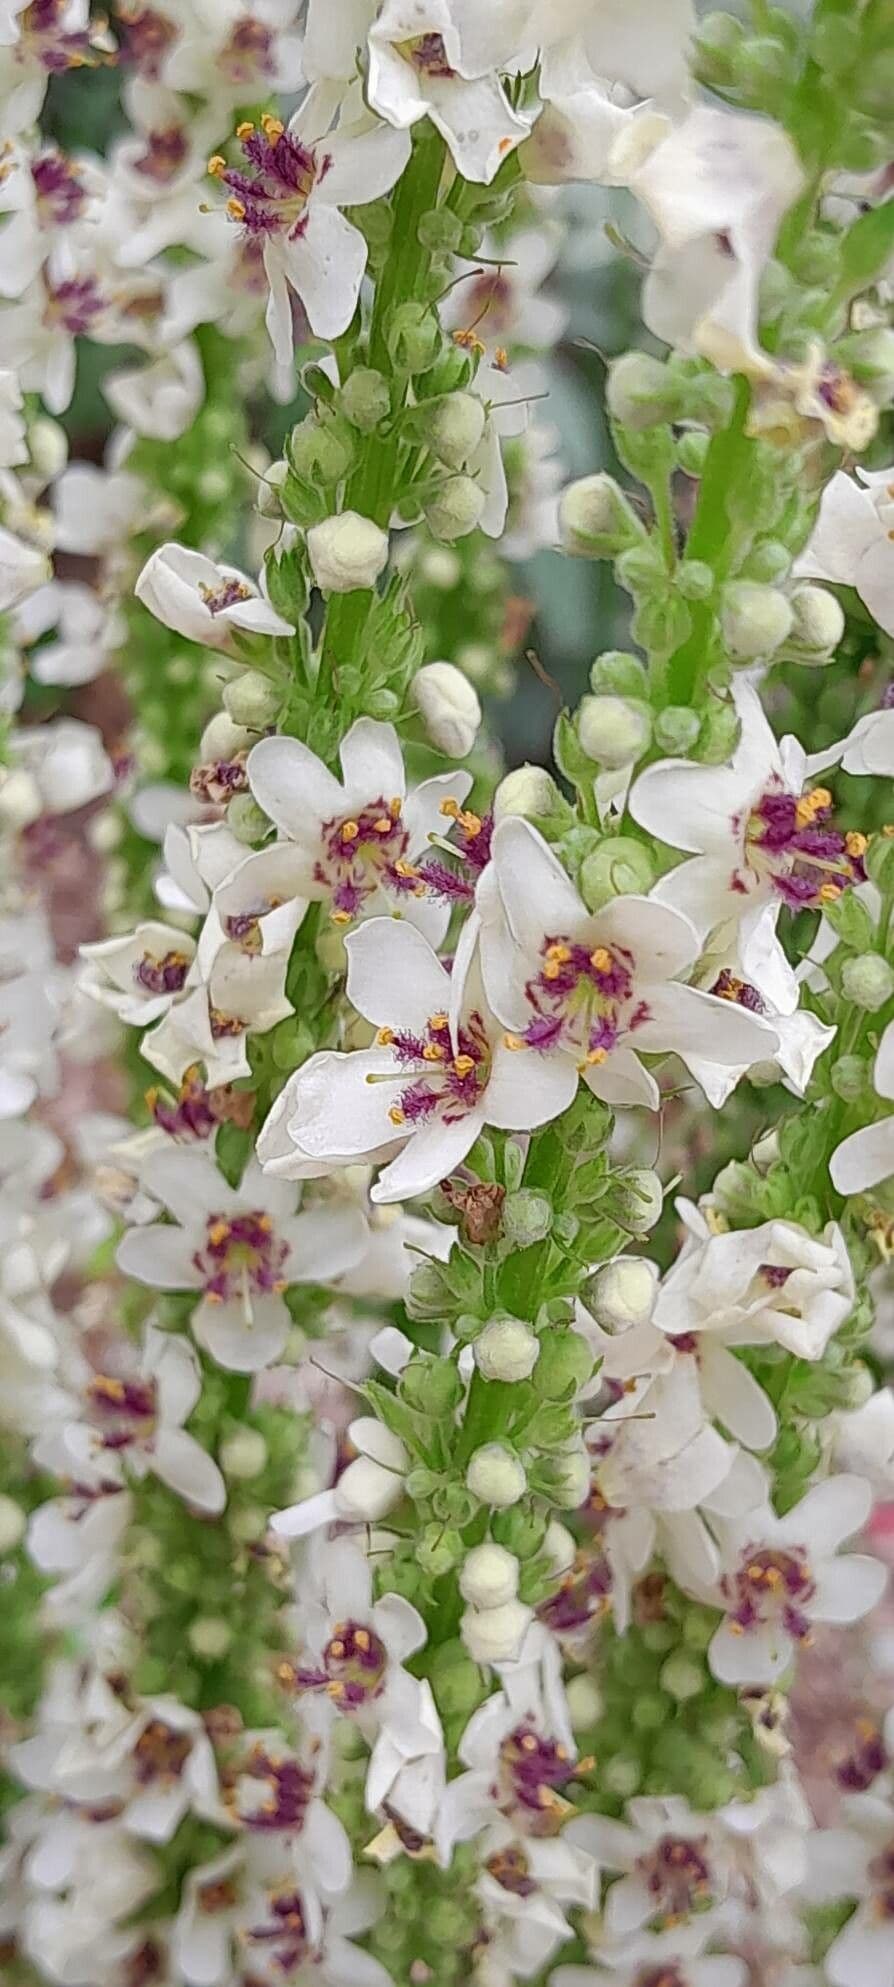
(290, 1788)
(160, 1753)
(727, 987)
(122, 1411)
(353, 1667)
(147, 36)
(285, 1932)
(247, 55)
(581, 1000)
(59, 189)
(272, 199)
(241, 1253)
(428, 54)
(165, 975)
(510, 1868)
(770, 1585)
(164, 153)
(444, 1082)
(677, 1873)
(583, 1595)
(533, 1767)
(881, 1877)
(788, 840)
(75, 304)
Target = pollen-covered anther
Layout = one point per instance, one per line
(350, 831)
(217, 164)
(811, 804)
(385, 1037)
(272, 127)
(463, 1065)
(855, 843)
(600, 960)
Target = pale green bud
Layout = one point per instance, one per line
(613, 731)
(818, 622)
(364, 399)
(243, 1454)
(253, 700)
(619, 867)
(440, 230)
(527, 1217)
(12, 1523)
(595, 519)
(455, 509)
(347, 552)
(267, 495)
(718, 734)
(768, 562)
(246, 820)
(869, 356)
(584, 1701)
(622, 1775)
(496, 1476)
(868, 981)
(494, 1635)
(640, 392)
(682, 1676)
(47, 448)
(454, 427)
(320, 451)
(695, 579)
(849, 1077)
(506, 1350)
(413, 337)
(440, 567)
(448, 706)
(531, 792)
(248, 1522)
(621, 1295)
(691, 449)
(619, 671)
(569, 1479)
(489, 1576)
(756, 620)
(222, 739)
(560, 1547)
(636, 1199)
(676, 729)
(209, 1637)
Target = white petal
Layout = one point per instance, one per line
(372, 762)
(847, 1588)
(394, 977)
(294, 788)
(430, 1155)
(526, 1088)
(242, 1346)
(735, 1397)
(865, 1159)
(159, 1256)
(186, 1468)
(325, 266)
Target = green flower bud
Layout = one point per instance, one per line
(440, 230)
(641, 392)
(619, 867)
(222, 739)
(584, 1701)
(566, 1479)
(527, 1217)
(429, 1295)
(320, 451)
(560, 1548)
(691, 450)
(12, 1524)
(455, 509)
(246, 820)
(243, 1454)
(869, 356)
(521, 1530)
(682, 1677)
(738, 1192)
(819, 623)
(248, 1522)
(531, 792)
(636, 1198)
(764, 66)
(432, 1386)
(718, 734)
(619, 672)
(253, 700)
(438, 1549)
(849, 1077)
(868, 981)
(676, 729)
(565, 1363)
(755, 619)
(768, 562)
(209, 1637)
(413, 337)
(453, 370)
(622, 1775)
(613, 731)
(506, 1350)
(365, 399)
(495, 1476)
(621, 1295)
(695, 579)
(879, 862)
(453, 428)
(596, 521)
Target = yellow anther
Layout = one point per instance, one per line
(335, 1690)
(107, 1388)
(552, 970)
(464, 1065)
(855, 843)
(383, 825)
(264, 1223)
(513, 1042)
(433, 1052)
(272, 127)
(501, 359)
(385, 1037)
(217, 164)
(559, 951)
(218, 1232)
(362, 1639)
(450, 808)
(340, 917)
(245, 129)
(337, 1649)
(469, 823)
(601, 960)
(405, 868)
(396, 1115)
(350, 831)
(529, 1743)
(236, 210)
(438, 1021)
(395, 805)
(596, 1056)
(812, 804)
(829, 892)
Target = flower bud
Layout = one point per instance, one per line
(636, 1199)
(622, 1294)
(568, 1479)
(849, 1077)
(506, 1350)
(440, 230)
(531, 792)
(560, 1547)
(682, 1676)
(12, 1523)
(267, 496)
(489, 1576)
(209, 1637)
(718, 41)
(768, 562)
(448, 706)
(253, 700)
(494, 1635)
(869, 355)
(619, 867)
(453, 428)
(347, 552)
(527, 1217)
(320, 452)
(818, 622)
(691, 449)
(496, 1476)
(364, 399)
(718, 734)
(565, 1362)
(755, 620)
(431, 1386)
(676, 729)
(246, 820)
(613, 731)
(595, 519)
(619, 671)
(868, 981)
(222, 739)
(243, 1454)
(413, 337)
(455, 509)
(641, 392)
(695, 579)
(584, 1700)
(47, 448)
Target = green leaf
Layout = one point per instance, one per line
(232, 1152)
(867, 248)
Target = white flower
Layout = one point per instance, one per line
(503, 298)
(851, 541)
(207, 603)
(361, 839)
(13, 445)
(439, 1072)
(448, 706)
(729, 1392)
(334, 154)
(233, 51)
(866, 1158)
(241, 1250)
(582, 992)
(23, 568)
(856, 1861)
(44, 193)
(160, 400)
(277, 1796)
(677, 1960)
(518, 1750)
(256, 906)
(244, 993)
(522, 1889)
(346, 552)
(88, 633)
(416, 69)
(781, 1575)
(28, 1020)
(675, 1867)
(867, 749)
(774, 1284)
(133, 1423)
(366, 1491)
(757, 843)
(141, 975)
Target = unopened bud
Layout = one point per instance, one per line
(619, 671)
(496, 1476)
(489, 1576)
(47, 448)
(527, 1217)
(267, 497)
(209, 1637)
(454, 427)
(448, 706)
(691, 449)
(595, 519)
(222, 739)
(494, 1635)
(246, 820)
(364, 399)
(560, 1547)
(869, 355)
(718, 734)
(682, 1676)
(756, 620)
(636, 1199)
(770, 561)
(413, 336)
(640, 392)
(506, 1350)
(321, 452)
(849, 1077)
(569, 1479)
(868, 981)
(619, 867)
(676, 729)
(565, 1363)
(818, 622)
(613, 731)
(584, 1700)
(253, 700)
(243, 1454)
(12, 1523)
(347, 552)
(455, 509)
(531, 792)
(622, 1294)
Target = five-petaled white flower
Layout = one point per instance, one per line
(207, 603)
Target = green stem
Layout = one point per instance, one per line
(710, 540)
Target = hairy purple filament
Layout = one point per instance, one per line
(353, 1667)
(678, 1875)
(273, 199)
(771, 1585)
(241, 1252)
(444, 1082)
